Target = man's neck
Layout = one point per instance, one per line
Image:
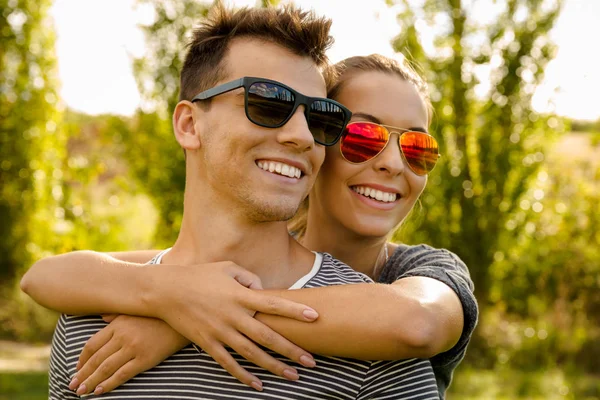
(266, 249)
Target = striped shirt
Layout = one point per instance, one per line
(193, 374)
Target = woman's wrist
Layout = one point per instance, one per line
(150, 287)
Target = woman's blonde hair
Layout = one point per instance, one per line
(338, 74)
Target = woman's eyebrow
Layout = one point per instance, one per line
(368, 117)
(373, 118)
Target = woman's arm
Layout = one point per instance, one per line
(414, 317)
(87, 282)
(223, 310)
(428, 309)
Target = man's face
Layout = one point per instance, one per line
(240, 160)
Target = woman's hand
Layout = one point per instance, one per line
(125, 348)
(214, 306)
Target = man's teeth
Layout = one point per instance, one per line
(375, 194)
(280, 168)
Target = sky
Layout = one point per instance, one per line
(97, 39)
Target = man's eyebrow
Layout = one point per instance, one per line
(373, 118)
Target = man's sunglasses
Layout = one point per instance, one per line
(271, 104)
(363, 141)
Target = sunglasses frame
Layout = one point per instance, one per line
(299, 99)
(391, 130)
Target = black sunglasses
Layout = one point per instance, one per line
(271, 104)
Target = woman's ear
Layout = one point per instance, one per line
(184, 126)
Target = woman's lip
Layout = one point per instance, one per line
(376, 203)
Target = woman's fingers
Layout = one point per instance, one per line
(122, 375)
(265, 336)
(106, 369)
(251, 352)
(94, 344)
(92, 365)
(225, 360)
(274, 305)
(245, 277)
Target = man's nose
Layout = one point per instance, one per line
(296, 133)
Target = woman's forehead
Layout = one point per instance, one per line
(388, 97)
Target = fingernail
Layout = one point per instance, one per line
(310, 314)
(99, 390)
(74, 383)
(257, 385)
(291, 374)
(307, 361)
(81, 390)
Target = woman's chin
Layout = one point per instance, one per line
(370, 228)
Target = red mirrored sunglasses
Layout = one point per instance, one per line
(362, 141)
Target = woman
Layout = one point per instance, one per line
(368, 184)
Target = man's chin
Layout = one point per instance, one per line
(276, 212)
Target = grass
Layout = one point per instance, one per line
(24, 386)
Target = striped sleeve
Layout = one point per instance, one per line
(411, 379)
(58, 375)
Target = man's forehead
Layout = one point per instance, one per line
(265, 59)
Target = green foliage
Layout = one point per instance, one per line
(100, 194)
(31, 143)
(492, 144)
(22, 319)
(509, 384)
(550, 273)
(153, 154)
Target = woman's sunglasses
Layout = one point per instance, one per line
(363, 141)
(271, 104)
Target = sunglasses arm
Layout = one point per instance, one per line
(224, 88)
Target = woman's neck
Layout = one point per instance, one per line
(364, 254)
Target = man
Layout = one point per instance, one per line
(230, 125)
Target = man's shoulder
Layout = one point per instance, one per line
(336, 272)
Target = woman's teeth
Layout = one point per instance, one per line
(280, 168)
(375, 194)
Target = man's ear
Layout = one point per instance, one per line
(184, 125)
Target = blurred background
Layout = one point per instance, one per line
(88, 161)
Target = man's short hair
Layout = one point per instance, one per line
(301, 32)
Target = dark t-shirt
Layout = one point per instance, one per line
(447, 267)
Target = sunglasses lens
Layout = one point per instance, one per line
(420, 151)
(269, 104)
(326, 121)
(362, 141)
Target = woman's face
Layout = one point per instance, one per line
(386, 99)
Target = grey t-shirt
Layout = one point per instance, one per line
(447, 267)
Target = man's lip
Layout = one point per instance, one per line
(301, 166)
(383, 188)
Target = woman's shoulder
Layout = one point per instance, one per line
(408, 260)
(400, 252)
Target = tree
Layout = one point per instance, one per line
(492, 141)
(31, 142)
